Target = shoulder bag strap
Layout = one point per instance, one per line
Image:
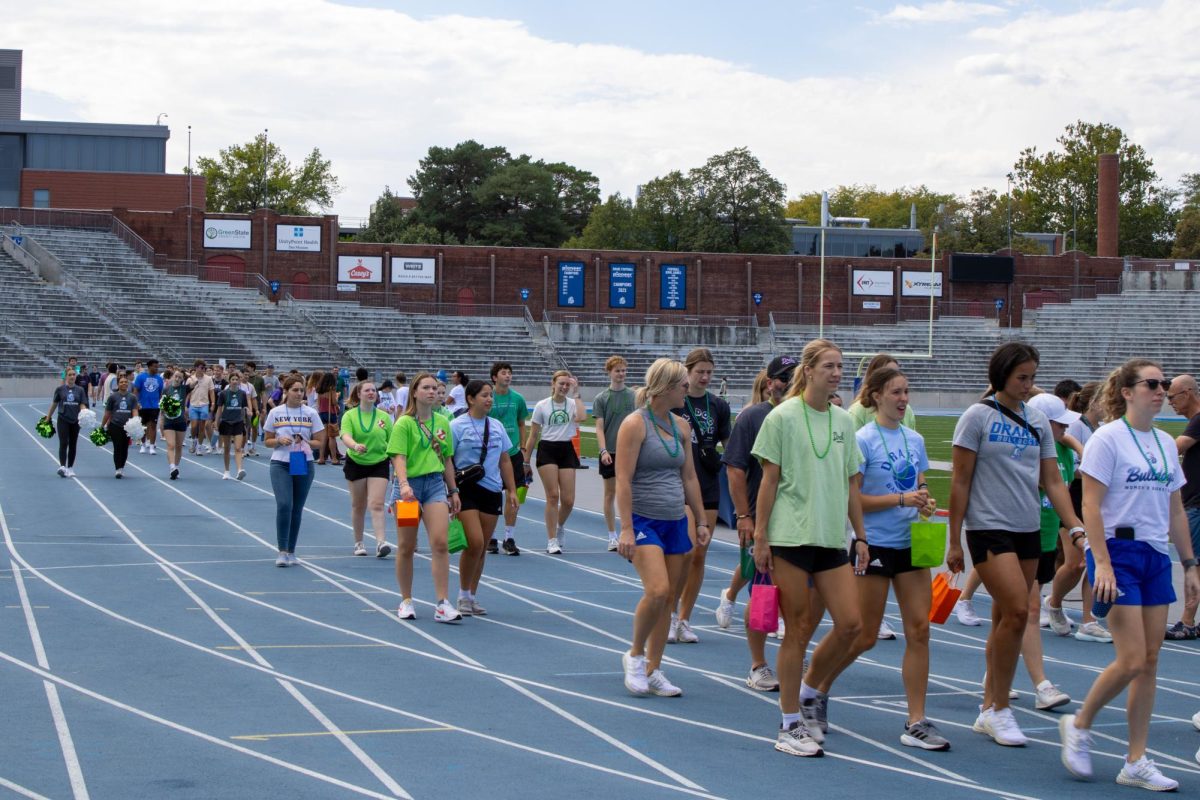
(996, 404)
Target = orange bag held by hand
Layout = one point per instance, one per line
(945, 595)
(408, 513)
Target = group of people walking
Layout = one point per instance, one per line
(1043, 489)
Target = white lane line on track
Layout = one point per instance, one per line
(65, 741)
(612, 740)
(21, 790)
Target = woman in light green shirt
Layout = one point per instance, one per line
(809, 453)
(860, 413)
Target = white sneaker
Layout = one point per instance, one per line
(446, 612)
(207, 448)
(1144, 773)
(725, 610)
(812, 721)
(553, 547)
(635, 674)
(142, 449)
(62, 472)
(1093, 632)
(1196, 720)
(1076, 748)
(660, 686)
(225, 476)
(1050, 696)
(612, 542)
(406, 610)
(983, 722)
(762, 679)
(70, 472)
(1005, 730)
(685, 634)
(360, 549)
(119, 474)
(673, 630)
(1056, 618)
(885, 631)
(797, 741)
(153, 451)
(192, 446)
(965, 612)
(174, 472)
(282, 560)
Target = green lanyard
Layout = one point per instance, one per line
(707, 416)
(1166, 472)
(367, 430)
(887, 450)
(811, 442)
(674, 432)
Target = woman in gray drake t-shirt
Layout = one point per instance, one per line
(656, 479)
(1002, 450)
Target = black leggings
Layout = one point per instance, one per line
(120, 443)
(68, 437)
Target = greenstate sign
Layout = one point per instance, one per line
(230, 234)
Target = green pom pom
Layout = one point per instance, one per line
(99, 437)
(45, 428)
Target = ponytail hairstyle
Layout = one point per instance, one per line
(808, 360)
(698, 355)
(758, 393)
(879, 361)
(875, 383)
(662, 376)
(1123, 377)
(1004, 362)
(1082, 400)
(410, 407)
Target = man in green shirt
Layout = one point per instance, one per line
(610, 408)
(510, 409)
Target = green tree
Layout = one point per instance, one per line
(665, 212)
(1187, 234)
(612, 225)
(1057, 190)
(520, 206)
(578, 194)
(256, 174)
(738, 206)
(445, 186)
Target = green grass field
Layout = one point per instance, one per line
(937, 431)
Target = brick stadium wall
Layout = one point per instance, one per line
(718, 284)
(105, 190)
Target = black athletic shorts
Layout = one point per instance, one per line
(179, 423)
(149, 416)
(557, 454)
(485, 501)
(1027, 545)
(609, 470)
(1046, 567)
(231, 428)
(886, 561)
(518, 466)
(356, 472)
(811, 558)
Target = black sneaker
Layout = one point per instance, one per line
(510, 547)
(493, 547)
(1181, 632)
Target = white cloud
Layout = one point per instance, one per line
(945, 11)
(374, 89)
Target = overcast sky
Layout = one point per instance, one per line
(824, 93)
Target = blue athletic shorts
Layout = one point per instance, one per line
(670, 535)
(1142, 573)
(197, 413)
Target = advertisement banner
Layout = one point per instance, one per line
(360, 269)
(298, 238)
(672, 290)
(874, 282)
(916, 284)
(413, 270)
(570, 284)
(232, 234)
(621, 291)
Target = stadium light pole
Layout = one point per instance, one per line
(1008, 207)
(189, 195)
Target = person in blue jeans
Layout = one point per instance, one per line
(1185, 401)
(292, 430)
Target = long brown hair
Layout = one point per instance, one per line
(1004, 362)
(875, 383)
(758, 393)
(1082, 400)
(879, 361)
(808, 358)
(410, 406)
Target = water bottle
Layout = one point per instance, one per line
(1100, 609)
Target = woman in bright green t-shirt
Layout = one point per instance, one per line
(809, 453)
(366, 429)
(421, 447)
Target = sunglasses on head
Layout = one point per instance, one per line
(1153, 383)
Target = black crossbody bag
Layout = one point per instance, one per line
(1037, 435)
(473, 474)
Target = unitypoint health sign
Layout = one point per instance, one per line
(232, 234)
(298, 238)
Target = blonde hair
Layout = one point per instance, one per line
(613, 362)
(808, 359)
(562, 373)
(758, 392)
(662, 376)
(410, 406)
(1123, 377)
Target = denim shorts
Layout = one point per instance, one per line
(429, 488)
(1142, 573)
(197, 412)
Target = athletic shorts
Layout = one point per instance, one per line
(669, 535)
(811, 558)
(485, 501)
(231, 428)
(356, 472)
(1142, 573)
(428, 488)
(1027, 545)
(609, 470)
(149, 416)
(887, 562)
(177, 424)
(1193, 515)
(710, 487)
(557, 454)
(518, 465)
(1046, 567)
(197, 413)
